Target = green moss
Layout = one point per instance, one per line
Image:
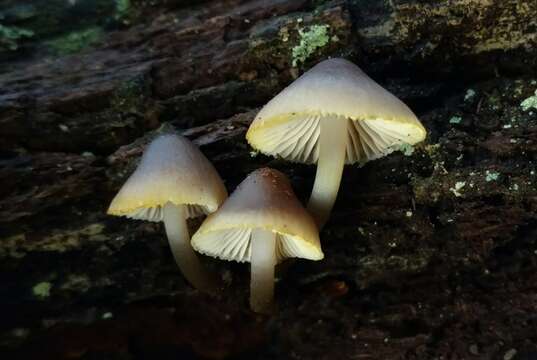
(470, 93)
(75, 41)
(122, 7)
(491, 176)
(53, 18)
(127, 13)
(129, 97)
(42, 290)
(529, 103)
(11, 35)
(455, 120)
(124, 11)
(406, 149)
(314, 38)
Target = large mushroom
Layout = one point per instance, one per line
(262, 222)
(173, 182)
(333, 114)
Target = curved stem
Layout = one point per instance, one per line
(332, 147)
(185, 257)
(262, 264)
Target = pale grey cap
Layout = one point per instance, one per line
(172, 170)
(288, 125)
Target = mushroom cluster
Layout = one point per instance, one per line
(332, 115)
(173, 182)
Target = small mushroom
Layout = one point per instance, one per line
(262, 222)
(333, 114)
(173, 182)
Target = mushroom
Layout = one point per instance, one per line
(333, 114)
(262, 222)
(173, 182)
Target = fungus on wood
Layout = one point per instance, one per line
(263, 223)
(173, 182)
(333, 114)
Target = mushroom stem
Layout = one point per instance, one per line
(262, 263)
(184, 255)
(332, 147)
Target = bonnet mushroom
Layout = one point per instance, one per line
(333, 114)
(262, 222)
(173, 182)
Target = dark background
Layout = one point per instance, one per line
(429, 255)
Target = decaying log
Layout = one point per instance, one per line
(430, 252)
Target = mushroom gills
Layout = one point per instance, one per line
(295, 140)
(155, 213)
(372, 139)
(236, 244)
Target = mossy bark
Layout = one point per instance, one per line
(428, 255)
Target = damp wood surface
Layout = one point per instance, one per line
(430, 253)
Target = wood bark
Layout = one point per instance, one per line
(429, 254)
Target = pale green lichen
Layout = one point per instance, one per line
(529, 103)
(11, 35)
(107, 315)
(42, 290)
(457, 188)
(455, 120)
(470, 93)
(491, 176)
(406, 149)
(314, 38)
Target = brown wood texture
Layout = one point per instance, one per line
(429, 255)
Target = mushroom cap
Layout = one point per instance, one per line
(265, 200)
(172, 170)
(378, 123)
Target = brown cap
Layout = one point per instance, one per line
(265, 200)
